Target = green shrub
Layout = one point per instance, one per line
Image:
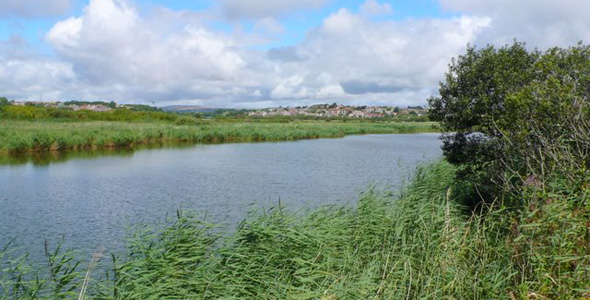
(496, 104)
(519, 124)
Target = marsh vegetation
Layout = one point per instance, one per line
(47, 135)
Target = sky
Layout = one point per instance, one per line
(260, 53)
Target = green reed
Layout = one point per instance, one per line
(41, 136)
(417, 244)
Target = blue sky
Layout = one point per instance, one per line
(296, 25)
(256, 53)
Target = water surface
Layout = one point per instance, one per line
(88, 199)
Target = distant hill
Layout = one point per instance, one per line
(189, 108)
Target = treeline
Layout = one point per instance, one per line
(110, 104)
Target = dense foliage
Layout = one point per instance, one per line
(141, 107)
(519, 131)
(110, 104)
(498, 104)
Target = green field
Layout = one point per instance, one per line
(50, 135)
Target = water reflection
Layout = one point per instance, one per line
(42, 159)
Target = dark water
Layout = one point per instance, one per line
(88, 198)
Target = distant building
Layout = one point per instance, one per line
(92, 107)
(335, 110)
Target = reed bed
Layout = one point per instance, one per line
(39, 136)
(414, 245)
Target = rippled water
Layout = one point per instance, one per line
(88, 199)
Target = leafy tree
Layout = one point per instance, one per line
(140, 107)
(497, 104)
(472, 100)
(4, 101)
(548, 119)
(477, 84)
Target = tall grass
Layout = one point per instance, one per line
(39, 136)
(548, 184)
(415, 245)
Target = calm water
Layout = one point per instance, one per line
(88, 199)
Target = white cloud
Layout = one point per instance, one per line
(374, 8)
(111, 44)
(25, 75)
(114, 51)
(33, 8)
(539, 23)
(258, 9)
(373, 60)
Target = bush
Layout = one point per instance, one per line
(532, 146)
(516, 99)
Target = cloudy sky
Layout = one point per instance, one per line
(260, 53)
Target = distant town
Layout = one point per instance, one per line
(316, 110)
(339, 110)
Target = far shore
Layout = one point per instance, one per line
(22, 137)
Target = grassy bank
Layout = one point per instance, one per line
(36, 136)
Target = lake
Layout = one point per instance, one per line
(89, 199)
